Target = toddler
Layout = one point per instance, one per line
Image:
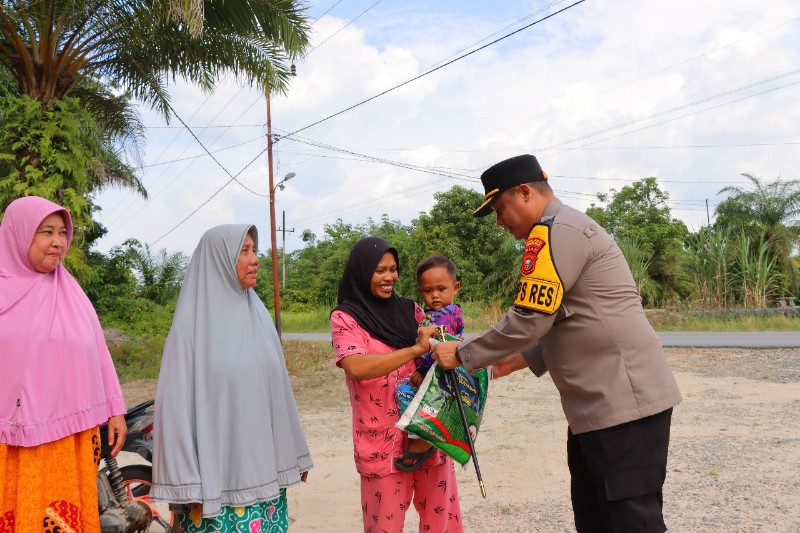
(438, 286)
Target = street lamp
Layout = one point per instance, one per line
(280, 185)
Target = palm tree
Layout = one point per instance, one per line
(771, 207)
(107, 53)
(159, 274)
(136, 45)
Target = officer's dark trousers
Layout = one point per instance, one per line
(618, 474)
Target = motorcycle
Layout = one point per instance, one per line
(124, 492)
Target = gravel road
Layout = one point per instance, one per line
(734, 458)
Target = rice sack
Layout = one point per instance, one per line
(433, 412)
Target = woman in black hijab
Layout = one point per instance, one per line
(376, 339)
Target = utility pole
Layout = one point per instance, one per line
(273, 237)
(708, 217)
(283, 249)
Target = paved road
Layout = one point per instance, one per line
(749, 339)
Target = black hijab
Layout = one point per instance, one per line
(389, 320)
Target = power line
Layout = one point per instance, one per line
(163, 151)
(366, 157)
(210, 154)
(518, 21)
(569, 149)
(431, 71)
(343, 27)
(293, 135)
(408, 81)
(678, 108)
(164, 172)
(231, 147)
(597, 178)
(328, 10)
(629, 82)
(487, 150)
(179, 174)
(233, 178)
(416, 190)
(208, 127)
(314, 153)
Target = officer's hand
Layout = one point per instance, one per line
(445, 355)
(507, 365)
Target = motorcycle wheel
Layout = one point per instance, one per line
(138, 479)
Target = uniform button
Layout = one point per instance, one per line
(592, 227)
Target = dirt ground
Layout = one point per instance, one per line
(734, 455)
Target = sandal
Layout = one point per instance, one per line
(419, 457)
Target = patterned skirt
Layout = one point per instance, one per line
(51, 487)
(262, 517)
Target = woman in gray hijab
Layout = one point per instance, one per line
(227, 437)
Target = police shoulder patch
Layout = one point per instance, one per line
(540, 288)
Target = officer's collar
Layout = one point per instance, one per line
(551, 209)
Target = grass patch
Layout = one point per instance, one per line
(665, 320)
(313, 321)
(139, 358)
(477, 317)
(480, 317)
(304, 357)
(139, 355)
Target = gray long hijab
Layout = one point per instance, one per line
(227, 431)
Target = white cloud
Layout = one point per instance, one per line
(562, 88)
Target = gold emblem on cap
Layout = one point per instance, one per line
(488, 198)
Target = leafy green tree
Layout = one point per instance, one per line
(485, 259)
(55, 152)
(134, 290)
(313, 273)
(640, 212)
(111, 283)
(499, 286)
(772, 208)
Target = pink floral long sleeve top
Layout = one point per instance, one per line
(376, 439)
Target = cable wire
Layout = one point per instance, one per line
(343, 27)
(431, 71)
(187, 217)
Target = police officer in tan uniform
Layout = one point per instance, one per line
(578, 316)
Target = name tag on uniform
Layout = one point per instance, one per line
(540, 288)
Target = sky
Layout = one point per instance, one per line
(603, 93)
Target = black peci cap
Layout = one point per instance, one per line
(505, 175)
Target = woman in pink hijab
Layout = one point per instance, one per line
(57, 380)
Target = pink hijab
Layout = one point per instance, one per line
(57, 375)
